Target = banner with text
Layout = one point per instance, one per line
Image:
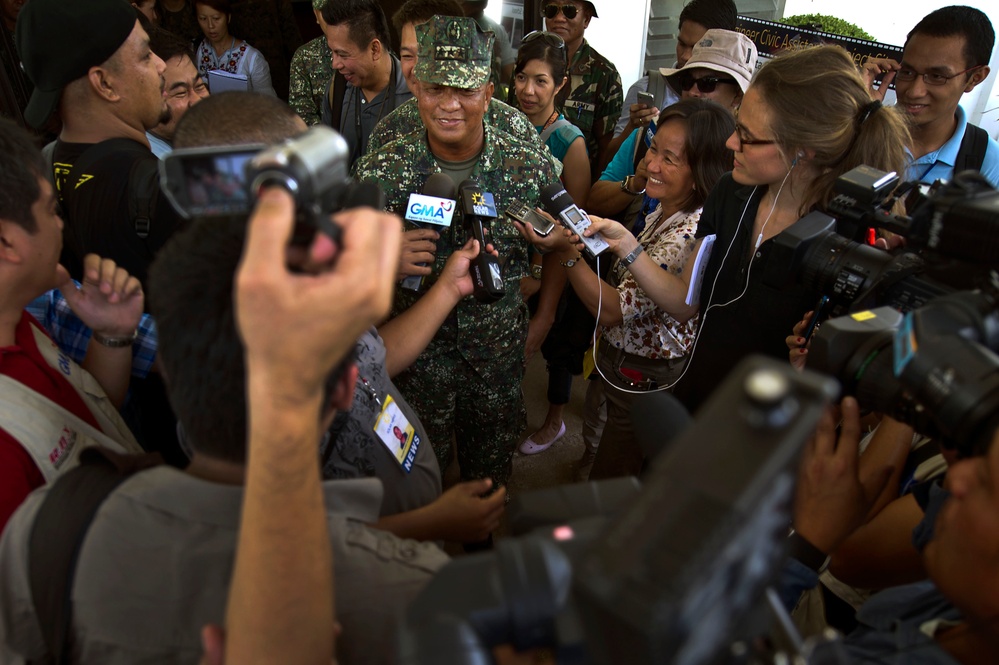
(771, 38)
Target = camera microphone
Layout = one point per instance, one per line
(559, 204)
(479, 211)
(434, 208)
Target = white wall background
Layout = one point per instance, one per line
(619, 34)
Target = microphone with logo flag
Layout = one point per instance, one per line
(433, 208)
(479, 210)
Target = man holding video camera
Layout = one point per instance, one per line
(466, 384)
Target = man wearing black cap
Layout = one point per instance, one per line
(107, 87)
(108, 90)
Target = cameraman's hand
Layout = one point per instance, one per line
(830, 501)
(296, 326)
(463, 515)
(797, 349)
(418, 246)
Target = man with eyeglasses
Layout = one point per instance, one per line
(945, 56)
(592, 101)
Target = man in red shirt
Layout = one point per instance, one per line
(50, 408)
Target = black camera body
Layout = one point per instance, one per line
(905, 340)
(313, 168)
(671, 575)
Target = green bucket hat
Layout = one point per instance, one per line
(453, 51)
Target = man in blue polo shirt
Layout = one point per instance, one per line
(945, 56)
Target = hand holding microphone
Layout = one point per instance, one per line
(430, 211)
(479, 210)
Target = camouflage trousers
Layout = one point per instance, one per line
(480, 409)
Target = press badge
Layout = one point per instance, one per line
(394, 430)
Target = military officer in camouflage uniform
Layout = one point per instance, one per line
(311, 71)
(406, 118)
(592, 101)
(466, 384)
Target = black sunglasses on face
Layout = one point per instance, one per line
(568, 11)
(549, 38)
(705, 84)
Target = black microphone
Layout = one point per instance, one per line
(479, 211)
(434, 207)
(559, 204)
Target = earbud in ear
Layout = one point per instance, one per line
(801, 153)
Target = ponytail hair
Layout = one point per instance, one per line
(820, 103)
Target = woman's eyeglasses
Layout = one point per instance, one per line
(568, 11)
(705, 84)
(549, 38)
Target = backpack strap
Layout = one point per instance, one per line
(333, 104)
(48, 154)
(143, 181)
(971, 154)
(57, 536)
(561, 122)
(657, 86)
(143, 194)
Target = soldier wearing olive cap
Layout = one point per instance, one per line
(466, 384)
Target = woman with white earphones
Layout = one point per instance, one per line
(806, 119)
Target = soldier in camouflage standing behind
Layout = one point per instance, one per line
(466, 383)
(592, 101)
(311, 71)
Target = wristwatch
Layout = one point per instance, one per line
(115, 342)
(806, 553)
(536, 271)
(628, 260)
(626, 186)
(571, 262)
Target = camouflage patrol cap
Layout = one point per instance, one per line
(453, 51)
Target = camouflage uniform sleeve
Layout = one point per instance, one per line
(300, 96)
(610, 96)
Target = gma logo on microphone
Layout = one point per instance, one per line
(424, 209)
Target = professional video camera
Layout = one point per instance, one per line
(934, 368)
(958, 225)
(675, 576)
(914, 347)
(314, 168)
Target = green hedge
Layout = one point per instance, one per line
(826, 23)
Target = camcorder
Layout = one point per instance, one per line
(671, 570)
(313, 168)
(914, 334)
